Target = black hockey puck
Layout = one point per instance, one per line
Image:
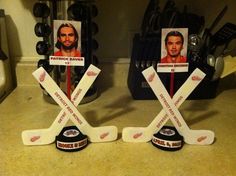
(168, 139)
(71, 139)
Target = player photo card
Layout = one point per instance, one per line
(174, 43)
(67, 43)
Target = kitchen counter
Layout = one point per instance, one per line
(26, 109)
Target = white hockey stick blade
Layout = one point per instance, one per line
(47, 136)
(197, 137)
(145, 134)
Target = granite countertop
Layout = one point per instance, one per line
(26, 109)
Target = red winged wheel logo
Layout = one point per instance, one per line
(91, 73)
(42, 76)
(151, 77)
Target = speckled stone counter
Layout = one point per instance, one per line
(26, 109)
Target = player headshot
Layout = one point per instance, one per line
(67, 41)
(174, 42)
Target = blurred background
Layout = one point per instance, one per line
(117, 21)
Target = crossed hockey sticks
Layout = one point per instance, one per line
(144, 134)
(198, 137)
(46, 136)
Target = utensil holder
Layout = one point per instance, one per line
(74, 10)
(143, 53)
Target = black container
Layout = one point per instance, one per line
(72, 10)
(144, 53)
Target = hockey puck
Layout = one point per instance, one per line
(71, 139)
(168, 139)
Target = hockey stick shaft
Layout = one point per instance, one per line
(165, 100)
(99, 134)
(180, 96)
(144, 134)
(76, 97)
(47, 136)
(172, 111)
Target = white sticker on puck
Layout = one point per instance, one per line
(167, 132)
(71, 133)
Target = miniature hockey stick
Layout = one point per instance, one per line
(95, 134)
(145, 134)
(47, 135)
(198, 137)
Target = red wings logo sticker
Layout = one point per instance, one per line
(137, 135)
(202, 138)
(34, 138)
(104, 135)
(151, 77)
(42, 76)
(91, 73)
(196, 78)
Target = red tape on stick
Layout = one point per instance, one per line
(172, 80)
(68, 81)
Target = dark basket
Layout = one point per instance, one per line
(145, 53)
